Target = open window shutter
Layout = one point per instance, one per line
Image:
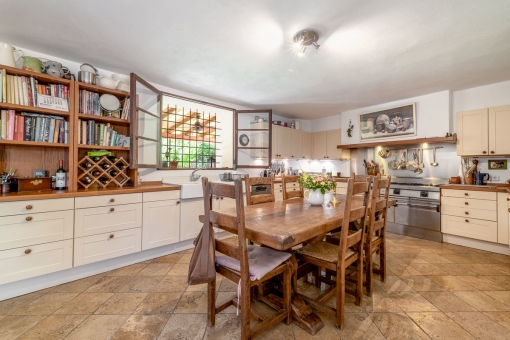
(252, 138)
(145, 124)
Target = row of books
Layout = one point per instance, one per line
(89, 103)
(21, 90)
(92, 133)
(33, 127)
(125, 109)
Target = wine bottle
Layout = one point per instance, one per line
(103, 180)
(121, 166)
(96, 158)
(113, 159)
(86, 180)
(86, 165)
(113, 173)
(96, 173)
(105, 166)
(60, 182)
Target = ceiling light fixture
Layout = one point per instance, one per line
(197, 126)
(305, 38)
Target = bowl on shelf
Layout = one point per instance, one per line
(122, 78)
(108, 83)
(123, 87)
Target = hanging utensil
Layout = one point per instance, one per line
(418, 169)
(403, 164)
(392, 165)
(420, 158)
(434, 163)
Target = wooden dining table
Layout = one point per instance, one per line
(283, 225)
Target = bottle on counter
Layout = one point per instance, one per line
(60, 177)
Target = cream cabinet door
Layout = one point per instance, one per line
(320, 145)
(470, 227)
(160, 223)
(334, 138)
(190, 226)
(283, 138)
(473, 133)
(274, 142)
(499, 135)
(306, 145)
(93, 221)
(295, 144)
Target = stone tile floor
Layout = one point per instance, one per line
(433, 291)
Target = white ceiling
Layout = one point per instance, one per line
(240, 51)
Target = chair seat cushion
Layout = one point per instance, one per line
(261, 260)
(324, 251)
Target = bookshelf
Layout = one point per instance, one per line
(25, 156)
(120, 126)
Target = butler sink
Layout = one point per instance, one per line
(188, 189)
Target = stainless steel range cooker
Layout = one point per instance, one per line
(417, 212)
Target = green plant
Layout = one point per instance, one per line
(349, 130)
(314, 182)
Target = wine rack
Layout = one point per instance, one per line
(100, 176)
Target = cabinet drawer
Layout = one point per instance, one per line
(161, 195)
(277, 186)
(490, 215)
(93, 221)
(468, 203)
(470, 227)
(107, 200)
(36, 206)
(483, 195)
(101, 247)
(24, 230)
(292, 185)
(23, 263)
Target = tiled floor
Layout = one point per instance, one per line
(433, 290)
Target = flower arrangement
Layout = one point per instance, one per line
(314, 182)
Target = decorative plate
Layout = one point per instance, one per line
(244, 140)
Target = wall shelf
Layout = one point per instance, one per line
(432, 140)
(102, 147)
(30, 143)
(111, 120)
(101, 90)
(32, 109)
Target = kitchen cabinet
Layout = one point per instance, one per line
(483, 132)
(325, 145)
(499, 136)
(161, 217)
(281, 142)
(306, 144)
(190, 226)
(295, 144)
(475, 214)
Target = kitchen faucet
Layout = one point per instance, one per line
(192, 177)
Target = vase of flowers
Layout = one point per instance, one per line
(317, 185)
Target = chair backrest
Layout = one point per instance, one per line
(230, 223)
(262, 198)
(356, 239)
(378, 205)
(360, 178)
(293, 193)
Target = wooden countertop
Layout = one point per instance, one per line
(505, 188)
(337, 179)
(41, 195)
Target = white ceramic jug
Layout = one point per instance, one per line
(7, 54)
(315, 197)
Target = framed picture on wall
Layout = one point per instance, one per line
(388, 123)
(497, 164)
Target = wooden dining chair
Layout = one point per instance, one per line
(262, 198)
(288, 193)
(360, 178)
(375, 233)
(336, 258)
(244, 264)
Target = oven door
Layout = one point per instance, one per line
(418, 213)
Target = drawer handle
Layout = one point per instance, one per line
(221, 198)
(466, 194)
(112, 236)
(112, 200)
(280, 191)
(178, 202)
(466, 213)
(28, 251)
(484, 152)
(112, 209)
(466, 203)
(492, 152)
(508, 199)
(29, 218)
(29, 207)
(217, 198)
(467, 221)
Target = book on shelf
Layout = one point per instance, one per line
(89, 103)
(125, 109)
(33, 127)
(92, 133)
(23, 90)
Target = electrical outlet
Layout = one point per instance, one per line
(494, 178)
